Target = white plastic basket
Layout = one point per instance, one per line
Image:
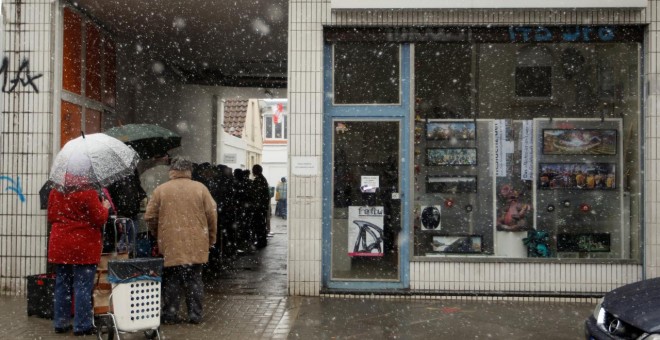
(136, 305)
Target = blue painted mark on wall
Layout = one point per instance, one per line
(22, 77)
(13, 185)
(564, 34)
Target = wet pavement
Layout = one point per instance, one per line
(248, 300)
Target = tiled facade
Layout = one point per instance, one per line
(306, 21)
(28, 134)
(26, 139)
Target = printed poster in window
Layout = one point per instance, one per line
(514, 207)
(527, 151)
(365, 231)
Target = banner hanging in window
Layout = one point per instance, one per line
(527, 162)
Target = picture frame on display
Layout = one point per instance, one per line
(451, 156)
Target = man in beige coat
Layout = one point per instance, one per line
(182, 216)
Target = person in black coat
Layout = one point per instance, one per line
(260, 198)
(127, 195)
(208, 175)
(243, 214)
(226, 211)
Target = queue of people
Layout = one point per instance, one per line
(243, 207)
(202, 212)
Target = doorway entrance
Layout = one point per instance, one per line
(366, 206)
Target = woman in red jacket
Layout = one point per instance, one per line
(74, 247)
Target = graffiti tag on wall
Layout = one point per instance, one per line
(13, 185)
(22, 77)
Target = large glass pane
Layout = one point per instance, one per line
(366, 73)
(366, 216)
(443, 80)
(554, 132)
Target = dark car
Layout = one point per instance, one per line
(628, 312)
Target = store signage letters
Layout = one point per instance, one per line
(426, 34)
(569, 34)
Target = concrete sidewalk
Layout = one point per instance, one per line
(249, 301)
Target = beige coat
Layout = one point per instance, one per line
(183, 216)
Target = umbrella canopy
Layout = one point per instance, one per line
(92, 161)
(148, 140)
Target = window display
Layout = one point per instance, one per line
(579, 142)
(540, 159)
(520, 147)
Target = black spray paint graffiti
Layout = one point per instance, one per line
(22, 76)
(15, 186)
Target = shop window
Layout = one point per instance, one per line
(498, 175)
(366, 73)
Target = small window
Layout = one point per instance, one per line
(274, 130)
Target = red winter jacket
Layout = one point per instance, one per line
(77, 220)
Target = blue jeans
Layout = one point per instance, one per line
(79, 280)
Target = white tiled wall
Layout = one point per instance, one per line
(306, 21)
(25, 141)
(652, 149)
(26, 136)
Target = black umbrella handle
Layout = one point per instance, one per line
(103, 197)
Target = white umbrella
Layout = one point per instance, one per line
(91, 162)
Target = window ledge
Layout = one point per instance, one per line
(481, 258)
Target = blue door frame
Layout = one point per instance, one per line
(398, 112)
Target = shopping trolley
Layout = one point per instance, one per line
(135, 298)
(127, 291)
